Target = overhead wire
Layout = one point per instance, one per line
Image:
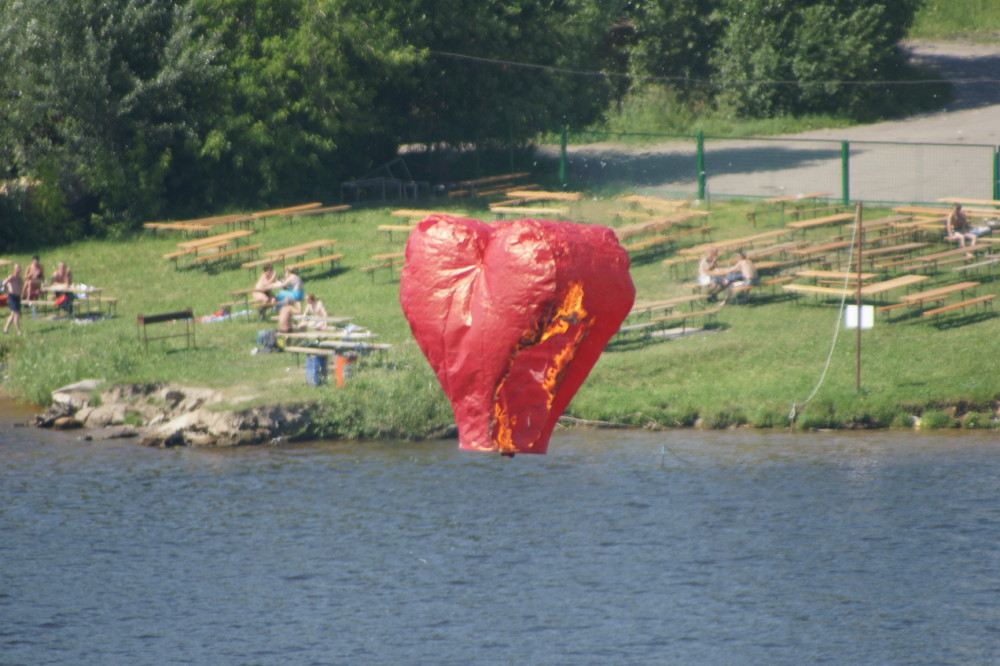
(707, 82)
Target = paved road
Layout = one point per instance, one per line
(920, 171)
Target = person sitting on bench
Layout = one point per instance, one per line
(956, 227)
(743, 273)
(290, 288)
(63, 277)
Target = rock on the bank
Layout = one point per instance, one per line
(170, 415)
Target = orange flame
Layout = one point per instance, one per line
(569, 313)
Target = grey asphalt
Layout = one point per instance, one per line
(949, 152)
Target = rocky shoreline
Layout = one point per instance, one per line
(167, 415)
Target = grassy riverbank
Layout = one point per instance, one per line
(751, 369)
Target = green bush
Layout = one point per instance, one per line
(383, 403)
(935, 419)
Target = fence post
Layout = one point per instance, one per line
(845, 172)
(700, 162)
(562, 157)
(996, 174)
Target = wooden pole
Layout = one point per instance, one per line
(859, 232)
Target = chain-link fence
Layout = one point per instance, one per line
(699, 166)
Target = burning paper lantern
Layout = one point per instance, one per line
(512, 317)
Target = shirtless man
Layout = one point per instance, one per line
(956, 227)
(743, 272)
(63, 277)
(14, 286)
(285, 318)
(262, 296)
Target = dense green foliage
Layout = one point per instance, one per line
(779, 57)
(119, 111)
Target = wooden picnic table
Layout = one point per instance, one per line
(935, 211)
(179, 226)
(970, 202)
(541, 195)
(802, 225)
(873, 289)
(933, 258)
(821, 248)
(328, 320)
(797, 197)
(200, 243)
(300, 249)
(208, 222)
(746, 241)
(285, 211)
(894, 283)
(938, 294)
(326, 334)
(880, 224)
(778, 248)
(835, 275)
(502, 211)
(417, 212)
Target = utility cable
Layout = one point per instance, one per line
(706, 82)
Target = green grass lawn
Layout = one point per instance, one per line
(760, 360)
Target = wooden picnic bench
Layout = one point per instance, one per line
(647, 329)
(234, 236)
(486, 185)
(937, 294)
(649, 308)
(177, 254)
(974, 267)
(803, 225)
(389, 261)
(986, 301)
(185, 316)
(227, 254)
(332, 259)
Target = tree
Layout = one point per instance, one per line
(674, 38)
(802, 56)
(496, 71)
(302, 102)
(96, 99)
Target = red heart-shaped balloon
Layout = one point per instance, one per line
(512, 317)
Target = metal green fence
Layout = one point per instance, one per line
(701, 166)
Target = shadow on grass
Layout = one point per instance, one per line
(964, 320)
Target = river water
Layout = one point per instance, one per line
(683, 547)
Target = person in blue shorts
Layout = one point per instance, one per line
(13, 285)
(290, 288)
